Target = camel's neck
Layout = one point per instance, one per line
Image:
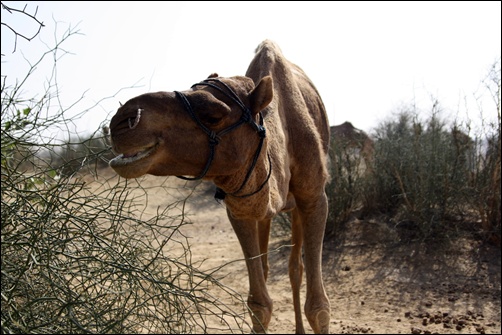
(247, 181)
(252, 201)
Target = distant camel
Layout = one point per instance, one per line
(346, 136)
(263, 139)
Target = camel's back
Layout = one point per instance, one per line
(298, 95)
(296, 118)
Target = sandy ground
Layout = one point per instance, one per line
(376, 281)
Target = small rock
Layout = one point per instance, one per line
(462, 322)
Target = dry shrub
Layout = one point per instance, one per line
(77, 259)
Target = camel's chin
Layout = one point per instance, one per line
(122, 161)
(128, 173)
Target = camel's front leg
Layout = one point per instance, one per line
(259, 301)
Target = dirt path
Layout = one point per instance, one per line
(376, 283)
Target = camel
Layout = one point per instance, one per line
(348, 137)
(263, 140)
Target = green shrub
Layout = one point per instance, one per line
(350, 188)
(433, 174)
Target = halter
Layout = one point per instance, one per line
(214, 137)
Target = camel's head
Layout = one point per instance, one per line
(166, 133)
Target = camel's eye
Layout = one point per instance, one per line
(212, 119)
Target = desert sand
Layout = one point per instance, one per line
(378, 279)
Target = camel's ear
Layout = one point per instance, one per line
(262, 95)
(212, 75)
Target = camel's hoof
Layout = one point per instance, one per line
(321, 323)
(260, 323)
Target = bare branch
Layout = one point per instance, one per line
(22, 12)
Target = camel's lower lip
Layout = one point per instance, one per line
(122, 159)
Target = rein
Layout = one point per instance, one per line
(214, 137)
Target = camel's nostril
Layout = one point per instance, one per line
(136, 120)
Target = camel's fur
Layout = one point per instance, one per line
(297, 143)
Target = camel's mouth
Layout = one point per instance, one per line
(129, 158)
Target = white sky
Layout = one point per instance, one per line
(366, 58)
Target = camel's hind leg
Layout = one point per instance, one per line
(313, 213)
(296, 268)
(263, 236)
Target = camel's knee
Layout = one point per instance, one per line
(260, 315)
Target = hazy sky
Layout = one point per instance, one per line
(366, 58)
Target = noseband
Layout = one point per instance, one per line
(214, 137)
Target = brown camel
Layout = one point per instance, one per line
(263, 140)
(347, 137)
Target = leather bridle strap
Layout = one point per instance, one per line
(214, 137)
